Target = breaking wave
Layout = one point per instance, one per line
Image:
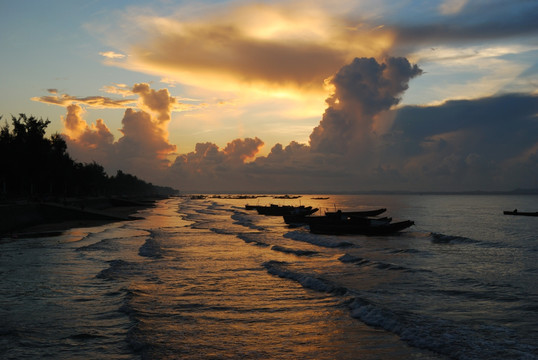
(118, 269)
(442, 336)
(151, 248)
(243, 219)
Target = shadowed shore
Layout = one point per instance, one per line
(34, 219)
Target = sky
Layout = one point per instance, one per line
(283, 96)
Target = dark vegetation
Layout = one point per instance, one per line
(33, 166)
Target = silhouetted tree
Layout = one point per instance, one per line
(32, 166)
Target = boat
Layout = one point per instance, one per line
(359, 226)
(278, 210)
(297, 219)
(359, 213)
(520, 213)
(287, 196)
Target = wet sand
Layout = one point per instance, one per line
(34, 219)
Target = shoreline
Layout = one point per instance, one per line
(41, 219)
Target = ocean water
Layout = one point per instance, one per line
(207, 279)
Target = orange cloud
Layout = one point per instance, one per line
(158, 102)
(143, 148)
(271, 47)
(98, 102)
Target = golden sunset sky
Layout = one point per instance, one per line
(281, 95)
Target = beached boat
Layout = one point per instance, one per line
(360, 226)
(521, 213)
(278, 210)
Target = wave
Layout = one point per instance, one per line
(308, 281)
(118, 269)
(406, 251)
(105, 244)
(347, 258)
(438, 238)
(297, 252)
(443, 336)
(453, 339)
(251, 238)
(243, 219)
(151, 248)
(323, 240)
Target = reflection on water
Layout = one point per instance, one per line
(202, 279)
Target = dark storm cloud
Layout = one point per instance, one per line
(482, 144)
(487, 143)
(478, 20)
(507, 122)
(363, 89)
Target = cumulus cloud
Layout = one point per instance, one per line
(208, 165)
(363, 89)
(86, 143)
(159, 102)
(485, 144)
(143, 149)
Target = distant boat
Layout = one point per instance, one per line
(521, 213)
(287, 196)
(277, 210)
(320, 198)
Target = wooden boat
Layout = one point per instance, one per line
(360, 226)
(295, 219)
(277, 210)
(287, 196)
(360, 213)
(521, 213)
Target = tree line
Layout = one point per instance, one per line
(34, 166)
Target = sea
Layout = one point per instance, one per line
(204, 278)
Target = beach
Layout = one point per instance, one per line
(25, 218)
(208, 279)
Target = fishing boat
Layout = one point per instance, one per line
(360, 226)
(521, 213)
(297, 219)
(278, 210)
(359, 213)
